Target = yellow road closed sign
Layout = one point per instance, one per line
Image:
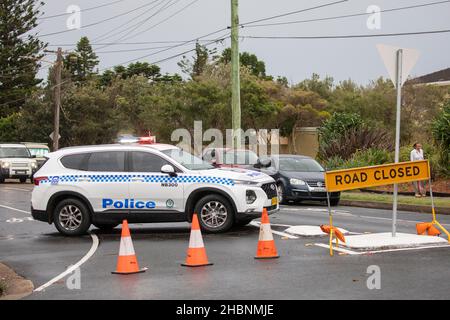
(356, 178)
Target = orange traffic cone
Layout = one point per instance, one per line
(266, 245)
(337, 233)
(127, 261)
(428, 228)
(196, 253)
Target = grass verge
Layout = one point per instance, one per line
(387, 198)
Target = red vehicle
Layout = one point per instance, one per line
(235, 158)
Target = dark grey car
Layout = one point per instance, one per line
(299, 178)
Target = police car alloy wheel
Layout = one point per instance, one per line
(215, 213)
(71, 217)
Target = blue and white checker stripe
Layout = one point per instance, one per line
(106, 178)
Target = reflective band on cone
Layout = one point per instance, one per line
(127, 261)
(266, 245)
(196, 253)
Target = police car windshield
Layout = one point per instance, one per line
(300, 165)
(13, 152)
(187, 160)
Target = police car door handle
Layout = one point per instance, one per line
(84, 179)
(137, 179)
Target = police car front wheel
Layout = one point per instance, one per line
(71, 217)
(215, 213)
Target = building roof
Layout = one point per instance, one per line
(441, 76)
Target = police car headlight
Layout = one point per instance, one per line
(297, 182)
(245, 182)
(33, 165)
(5, 165)
(250, 196)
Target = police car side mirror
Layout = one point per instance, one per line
(167, 168)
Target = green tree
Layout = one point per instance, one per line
(150, 71)
(203, 56)
(315, 84)
(82, 61)
(257, 67)
(20, 52)
(346, 97)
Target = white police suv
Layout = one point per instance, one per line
(145, 183)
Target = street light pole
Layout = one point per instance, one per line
(235, 81)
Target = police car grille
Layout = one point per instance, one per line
(270, 191)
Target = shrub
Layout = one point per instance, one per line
(338, 124)
(356, 139)
(361, 158)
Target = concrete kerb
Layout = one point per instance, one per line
(310, 231)
(385, 241)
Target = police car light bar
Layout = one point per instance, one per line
(147, 140)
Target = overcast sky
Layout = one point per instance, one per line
(296, 59)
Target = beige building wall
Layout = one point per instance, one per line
(306, 142)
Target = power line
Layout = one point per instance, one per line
(293, 12)
(102, 36)
(127, 43)
(83, 10)
(98, 22)
(185, 52)
(166, 19)
(142, 22)
(259, 20)
(134, 50)
(172, 47)
(345, 36)
(346, 16)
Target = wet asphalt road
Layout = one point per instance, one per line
(36, 251)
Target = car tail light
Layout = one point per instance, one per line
(37, 180)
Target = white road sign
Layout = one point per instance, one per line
(389, 55)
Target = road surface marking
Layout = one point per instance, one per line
(19, 189)
(351, 252)
(325, 211)
(73, 267)
(323, 245)
(15, 220)
(11, 208)
(282, 234)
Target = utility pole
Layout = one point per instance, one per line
(235, 81)
(57, 97)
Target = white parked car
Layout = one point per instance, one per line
(145, 183)
(16, 162)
